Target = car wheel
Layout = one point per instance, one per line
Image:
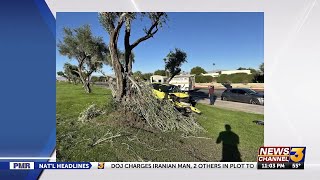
(253, 101)
(224, 98)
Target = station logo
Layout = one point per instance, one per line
(101, 165)
(281, 154)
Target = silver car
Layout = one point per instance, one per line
(243, 95)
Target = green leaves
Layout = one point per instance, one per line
(160, 72)
(198, 70)
(89, 51)
(80, 44)
(174, 60)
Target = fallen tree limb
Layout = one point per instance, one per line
(106, 139)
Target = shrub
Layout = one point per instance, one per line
(258, 78)
(203, 79)
(236, 78)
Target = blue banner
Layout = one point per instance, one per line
(44, 165)
(62, 165)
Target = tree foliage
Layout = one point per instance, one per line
(146, 76)
(60, 73)
(137, 75)
(261, 68)
(197, 70)
(160, 72)
(70, 72)
(173, 62)
(94, 79)
(242, 68)
(90, 52)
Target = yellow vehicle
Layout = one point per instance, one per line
(182, 100)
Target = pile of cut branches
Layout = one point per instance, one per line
(158, 114)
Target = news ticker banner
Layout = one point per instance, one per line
(281, 157)
(268, 158)
(125, 165)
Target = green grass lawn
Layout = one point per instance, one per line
(75, 139)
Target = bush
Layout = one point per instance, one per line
(94, 79)
(236, 78)
(258, 78)
(203, 79)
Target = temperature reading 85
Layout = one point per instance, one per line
(296, 165)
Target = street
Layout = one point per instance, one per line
(201, 96)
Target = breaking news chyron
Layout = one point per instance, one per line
(159, 89)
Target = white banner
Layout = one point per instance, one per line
(174, 165)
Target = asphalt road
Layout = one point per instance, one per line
(201, 96)
(202, 93)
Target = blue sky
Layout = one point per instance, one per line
(230, 40)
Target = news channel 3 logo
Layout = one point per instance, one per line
(297, 154)
(101, 165)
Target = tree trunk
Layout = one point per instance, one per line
(87, 87)
(118, 70)
(85, 82)
(168, 80)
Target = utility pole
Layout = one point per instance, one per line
(213, 67)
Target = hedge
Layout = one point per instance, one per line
(203, 79)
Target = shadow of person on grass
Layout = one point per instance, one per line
(230, 141)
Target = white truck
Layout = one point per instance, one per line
(185, 82)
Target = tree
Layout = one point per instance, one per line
(113, 23)
(173, 62)
(90, 52)
(70, 72)
(146, 76)
(261, 68)
(160, 72)
(94, 79)
(60, 73)
(197, 70)
(253, 71)
(102, 79)
(242, 68)
(137, 74)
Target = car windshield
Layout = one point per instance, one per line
(170, 89)
(250, 91)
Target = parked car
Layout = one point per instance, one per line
(244, 95)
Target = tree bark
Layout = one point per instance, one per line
(85, 80)
(87, 87)
(118, 69)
